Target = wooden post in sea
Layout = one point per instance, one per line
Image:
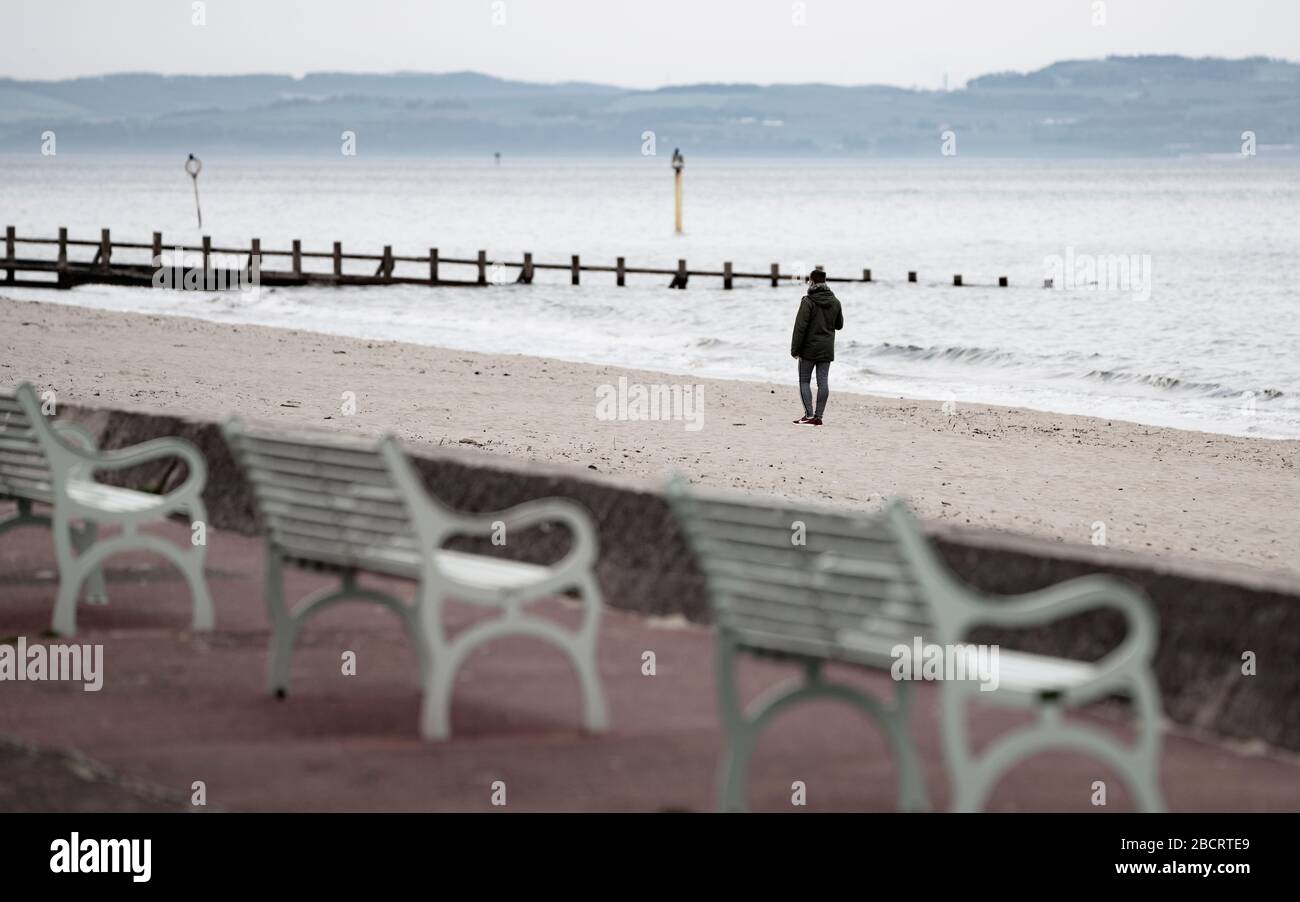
(388, 263)
(679, 280)
(911, 275)
(10, 253)
(526, 271)
(956, 281)
(482, 267)
(1002, 281)
(62, 262)
(433, 265)
(726, 275)
(254, 253)
(866, 275)
(575, 268)
(105, 249)
(338, 259)
(776, 274)
(297, 258)
(156, 258)
(620, 272)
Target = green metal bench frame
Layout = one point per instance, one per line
(1048, 686)
(55, 464)
(348, 507)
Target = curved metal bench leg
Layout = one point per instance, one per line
(287, 624)
(743, 726)
(191, 565)
(435, 706)
(911, 784)
(444, 656)
(82, 539)
(973, 778)
(737, 734)
(64, 622)
(1146, 707)
(595, 712)
(189, 561)
(283, 630)
(80, 557)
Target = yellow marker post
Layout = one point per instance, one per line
(678, 162)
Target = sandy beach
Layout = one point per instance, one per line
(1211, 500)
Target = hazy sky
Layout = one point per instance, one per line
(640, 43)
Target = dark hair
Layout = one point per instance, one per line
(817, 276)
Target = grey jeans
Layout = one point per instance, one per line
(805, 388)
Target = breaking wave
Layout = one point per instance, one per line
(1053, 368)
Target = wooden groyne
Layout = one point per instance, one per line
(83, 261)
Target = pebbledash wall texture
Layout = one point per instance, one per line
(1206, 623)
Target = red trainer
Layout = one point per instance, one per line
(803, 420)
(814, 421)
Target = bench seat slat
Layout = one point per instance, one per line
(472, 569)
(489, 572)
(108, 497)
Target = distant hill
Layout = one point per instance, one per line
(1143, 105)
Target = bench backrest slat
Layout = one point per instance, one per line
(327, 500)
(304, 495)
(24, 469)
(765, 564)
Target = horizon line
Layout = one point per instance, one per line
(600, 84)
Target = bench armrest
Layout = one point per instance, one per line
(960, 608)
(435, 524)
(577, 519)
(154, 449)
(1084, 593)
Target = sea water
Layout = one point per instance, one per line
(1203, 333)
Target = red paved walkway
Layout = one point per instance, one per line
(176, 708)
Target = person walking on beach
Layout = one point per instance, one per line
(813, 344)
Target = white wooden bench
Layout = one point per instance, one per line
(55, 464)
(354, 506)
(861, 585)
